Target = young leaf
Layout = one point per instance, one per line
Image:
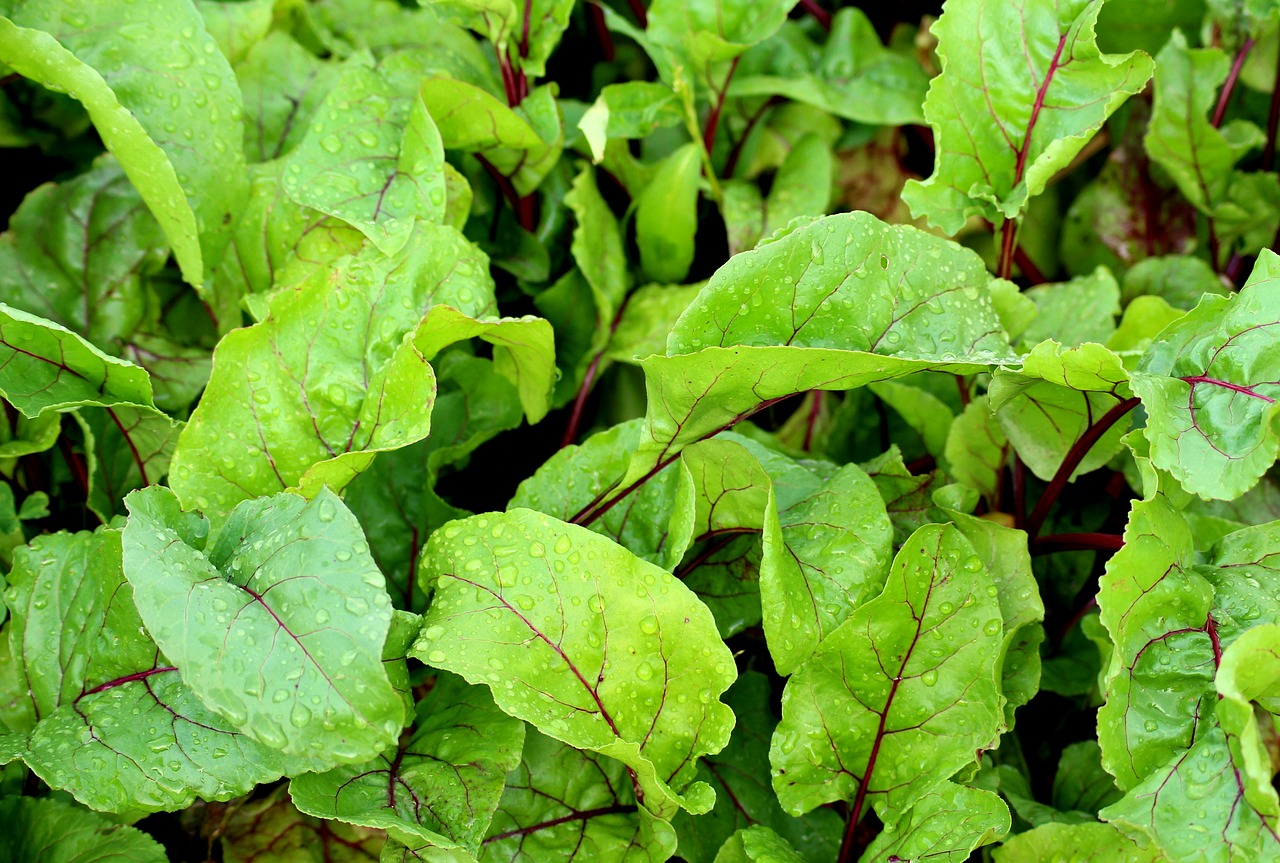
(565, 804)
(645, 667)
(313, 389)
(1249, 672)
(629, 110)
(44, 366)
(54, 831)
(371, 158)
(667, 216)
(976, 448)
(911, 675)
(126, 448)
(1208, 383)
(290, 583)
(947, 824)
(440, 783)
(757, 844)
(802, 186)
(1023, 89)
(236, 27)
(105, 56)
(81, 662)
(77, 253)
(696, 34)
(1072, 313)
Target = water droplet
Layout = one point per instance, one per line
(929, 678)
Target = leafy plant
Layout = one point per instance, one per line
(527, 430)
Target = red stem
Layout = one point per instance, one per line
(1008, 233)
(1077, 542)
(1273, 121)
(575, 416)
(1028, 266)
(731, 164)
(713, 119)
(637, 9)
(815, 410)
(1019, 481)
(1229, 86)
(128, 678)
(1075, 455)
(822, 16)
(603, 36)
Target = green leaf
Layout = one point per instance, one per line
(440, 783)
(284, 85)
(54, 831)
(126, 448)
(646, 707)
(802, 186)
(1023, 89)
(577, 475)
(911, 675)
(630, 110)
(371, 158)
(837, 304)
(78, 253)
(1199, 793)
(105, 715)
(947, 824)
(1179, 279)
(908, 497)
(1059, 395)
(667, 216)
(1081, 783)
(44, 366)
(698, 33)
(290, 582)
(165, 103)
(650, 313)
(1249, 672)
(976, 448)
(740, 776)
(1208, 385)
(1157, 610)
(757, 844)
(1143, 320)
(270, 830)
(306, 396)
(565, 804)
(742, 208)
(236, 27)
(854, 77)
(1180, 138)
(547, 21)
(1074, 843)
(1072, 313)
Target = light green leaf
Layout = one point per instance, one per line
(547, 21)
(1208, 383)
(523, 348)
(577, 475)
(667, 216)
(740, 776)
(1059, 395)
(1197, 794)
(650, 313)
(1023, 89)
(371, 158)
(470, 118)
(1180, 138)
(802, 186)
(742, 208)
(291, 584)
(908, 497)
(440, 783)
(1249, 672)
(284, 85)
(236, 27)
(565, 804)
(44, 366)
(923, 412)
(106, 55)
(1143, 320)
(701, 32)
(911, 675)
(1072, 313)
(1181, 279)
(757, 844)
(313, 390)
(489, 626)
(854, 77)
(1156, 609)
(947, 824)
(976, 448)
(1074, 843)
(54, 831)
(77, 253)
(105, 716)
(629, 110)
